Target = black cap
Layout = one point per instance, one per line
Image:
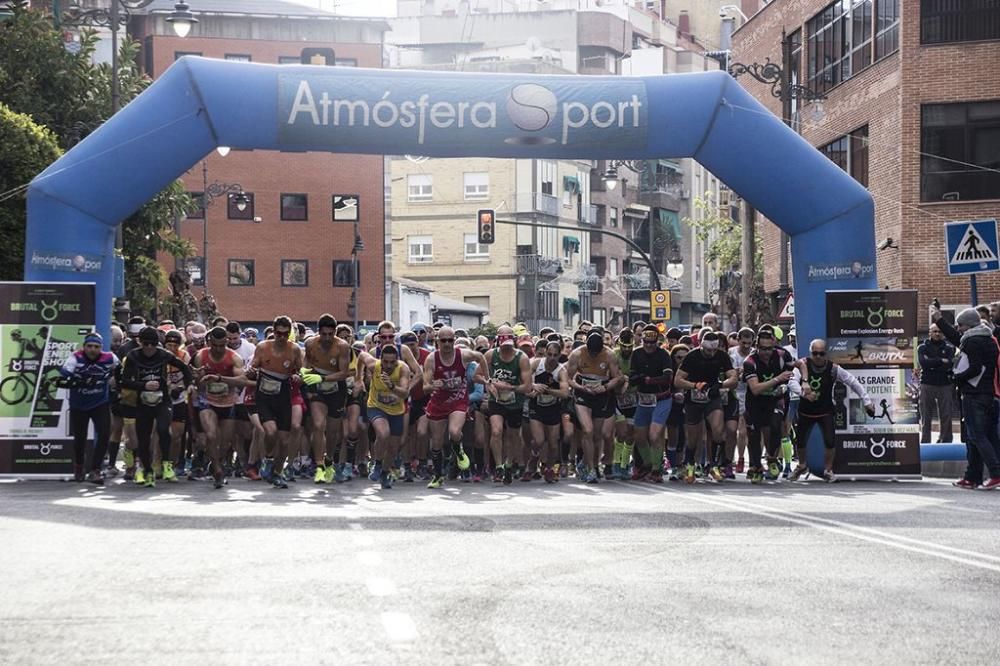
(149, 334)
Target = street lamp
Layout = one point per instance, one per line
(610, 176)
(211, 192)
(359, 246)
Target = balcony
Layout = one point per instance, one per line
(537, 264)
(537, 202)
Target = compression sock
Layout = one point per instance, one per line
(437, 457)
(113, 448)
(352, 449)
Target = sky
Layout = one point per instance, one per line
(355, 7)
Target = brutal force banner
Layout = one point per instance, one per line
(41, 324)
(872, 334)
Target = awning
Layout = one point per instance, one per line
(571, 243)
(571, 305)
(571, 184)
(670, 222)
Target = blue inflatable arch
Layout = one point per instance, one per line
(199, 104)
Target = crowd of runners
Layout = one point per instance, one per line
(299, 403)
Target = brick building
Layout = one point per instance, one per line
(912, 112)
(289, 250)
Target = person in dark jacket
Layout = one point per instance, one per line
(974, 373)
(936, 357)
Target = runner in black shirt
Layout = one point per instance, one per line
(766, 372)
(651, 372)
(703, 375)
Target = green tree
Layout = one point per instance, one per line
(71, 96)
(723, 239)
(25, 149)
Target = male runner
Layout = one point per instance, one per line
(550, 387)
(390, 380)
(816, 408)
(509, 373)
(88, 374)
(703, 374)
(221, 377)
(766, 372)
(628, 400)
(244, 430)
(444, 378)
(275, 366)
(652, 373)
(735, 430)
(329, 357)
(173, 342)
(594, 375)
(416, 444)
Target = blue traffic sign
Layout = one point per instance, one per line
(972, 246)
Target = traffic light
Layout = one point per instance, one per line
(487, 226)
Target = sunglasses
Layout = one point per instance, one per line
(818, 353)
(389, 336)
(446, 339)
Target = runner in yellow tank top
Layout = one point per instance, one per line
(390, 384)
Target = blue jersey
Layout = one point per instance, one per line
(89, 379)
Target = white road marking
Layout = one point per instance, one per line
(847, 529)
(399, 627)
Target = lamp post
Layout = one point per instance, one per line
(211, 192)
(610, 176)
(359, 246)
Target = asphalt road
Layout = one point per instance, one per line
(619, 573)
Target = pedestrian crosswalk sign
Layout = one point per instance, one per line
(972, 246)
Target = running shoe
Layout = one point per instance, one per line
(386, 480)
(95, 477)
(526, 476)
(251, 473)
(740, 466)
(715, 473)
(477, 477)
(149, 481)
(362, 470)
(278, 482)
(797, 472)
(498, 474)
(991, 484)
(773, 470)
(581, 470)
(728, 472)
(639, 473)
(129, 473)
(591, 477)
(462, 460)
(78, 475)
(562, 470)
(423, 473)
(111, 471)
(320, 475)
(656, 476)
(465, 476)
(376, 472)
(267, 469)
(343, 473)
(129, 458)
(615, 473)
(829, 476)
(220, 480)
(436, 482)
(690, 474)
(699, 471)
(168, 472)
(550, 475)
(408, 476)
(756, 475)
(140, 476)
(289, 475)
(965, 483)
(785, 473)
(508, 475)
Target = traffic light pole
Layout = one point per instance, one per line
(654, 276)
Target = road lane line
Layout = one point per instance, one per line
(843, 529)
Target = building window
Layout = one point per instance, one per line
(345, 207)
(180, 54)
(850, 153)
(199, 201)
(477, 185)
(420, 187)
(474, 251)
(421, 249)
(289, 60)
(547, 171)
(841, 42)
(241, 272)
(343, 273)
(961, 151)
(294, 272)
(548, 305)
(294, 207)
(943, 21)
(233, 211)
(613, 268)
(613, 217)
(238, 57)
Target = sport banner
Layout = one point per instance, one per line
(873, 335)
(41, 324)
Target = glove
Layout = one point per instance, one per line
(310, 378)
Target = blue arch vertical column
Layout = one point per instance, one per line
(198, 104)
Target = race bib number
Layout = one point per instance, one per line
(627, 400)
(647, 400)
(217, 388)
(546, 400)
(387, 399)
(700, 397)
(269, 386)
(151, 398)
(328, 387)
(505, 397)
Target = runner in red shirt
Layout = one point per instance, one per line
(220, 378)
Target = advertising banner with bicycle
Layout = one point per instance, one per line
(872, 335)
(41, 324)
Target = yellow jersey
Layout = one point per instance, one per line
(380, 397)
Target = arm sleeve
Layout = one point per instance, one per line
(128, 376)
(851, 382)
